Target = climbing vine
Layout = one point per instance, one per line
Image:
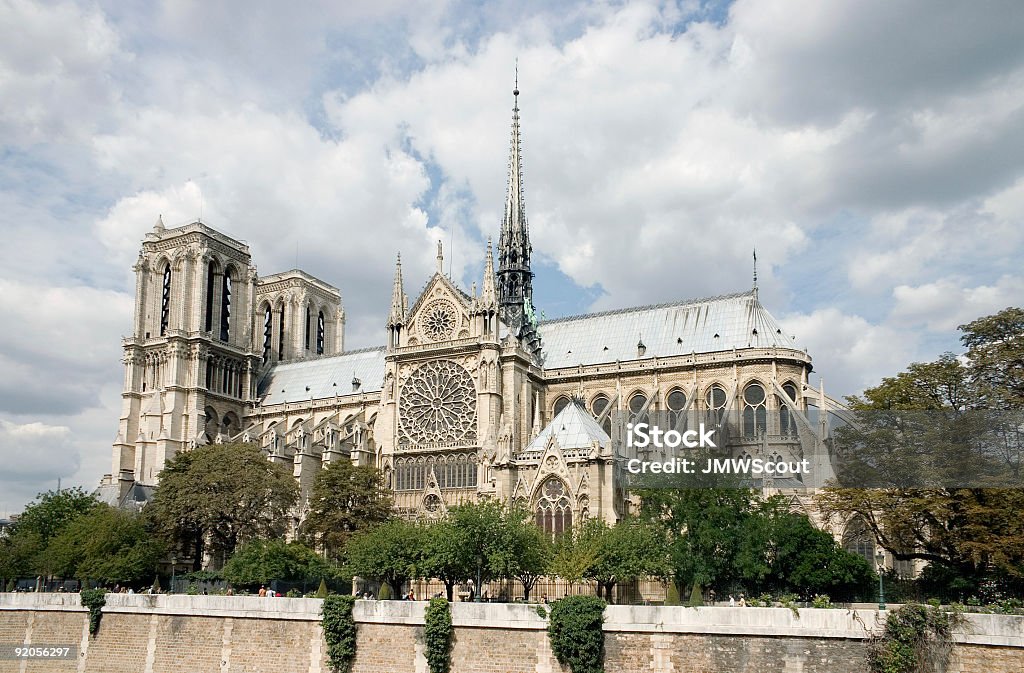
(339, 631)
(916, 638)
(576, 635)
(94, 600)
(437, 632)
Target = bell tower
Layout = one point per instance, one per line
(189, 365)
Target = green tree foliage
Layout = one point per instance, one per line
(969, 536)
(24, 551)
(704, 528)
(261, 561)
(107, 545)
(345, 499)
(475, 539)
(575, 631)
(625, 552)
(391, 552)
(229, 492)
(783, 552)
(574, 553)
(525, 553)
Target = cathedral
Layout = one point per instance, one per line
(470, 396)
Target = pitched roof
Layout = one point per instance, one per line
(572, 428)
(696, 326)
(324, 377)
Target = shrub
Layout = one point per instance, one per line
(321, 592)
(437, 632)
(821, 601)
(577, 639)
(94, 600)
(916, 638)
(339, 631)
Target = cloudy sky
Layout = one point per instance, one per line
(872, 151)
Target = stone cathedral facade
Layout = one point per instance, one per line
(470, 396)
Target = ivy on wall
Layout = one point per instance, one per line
(916, 638)
(577, 638)
(94, 600)
(339, 631)
(437, 632)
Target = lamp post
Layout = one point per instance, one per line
(174, 565)
(880, 557)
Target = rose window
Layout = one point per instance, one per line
(438, 405)
(439, 320)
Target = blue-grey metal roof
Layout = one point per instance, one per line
(324, 377)
(573, 428)
(696, 326)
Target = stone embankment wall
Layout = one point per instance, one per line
(218, 634)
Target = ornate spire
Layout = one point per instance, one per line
(159, 226)
(515, 280)
(488, 295)
(397, 315)
(440, 258)
(755, 273)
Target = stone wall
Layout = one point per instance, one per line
(217, 634)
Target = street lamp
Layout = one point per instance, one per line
(174, 563)
(880, 557)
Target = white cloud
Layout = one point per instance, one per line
(944, 304)
(850, 353)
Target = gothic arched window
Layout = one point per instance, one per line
(309, 323)
(561, 403)
(320, 333)
(858, 539)
(637, 404)
(211, 275)
(787, 420)
(716, 399)
(676, 402)
(597, 407)
(225, 307)
(280, 334)
(754, 411)
(554, 513)
(165, 301)
(268, 333)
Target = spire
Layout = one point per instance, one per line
(440, 258)
(397, 316)
(755, 273)
(159, 226)
(488, 295)
(515, 280)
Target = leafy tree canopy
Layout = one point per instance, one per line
(261, 561)
(108, 545)
(345, 499)
(391, 552)
(230, 492)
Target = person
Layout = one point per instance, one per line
(263, 592)
(229, 592)
(743, 601)
(544, 598)
(732, 601)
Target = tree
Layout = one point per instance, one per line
(575, 552)
(782, 552)
(481, 528)
(445, 556)
(345, 499)
(107, 545)
(625, 552)
(227, 493)
(392, 552)
(703, 527)
(933, 467)
(24, 551)
(526, 552)
(261, 561)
